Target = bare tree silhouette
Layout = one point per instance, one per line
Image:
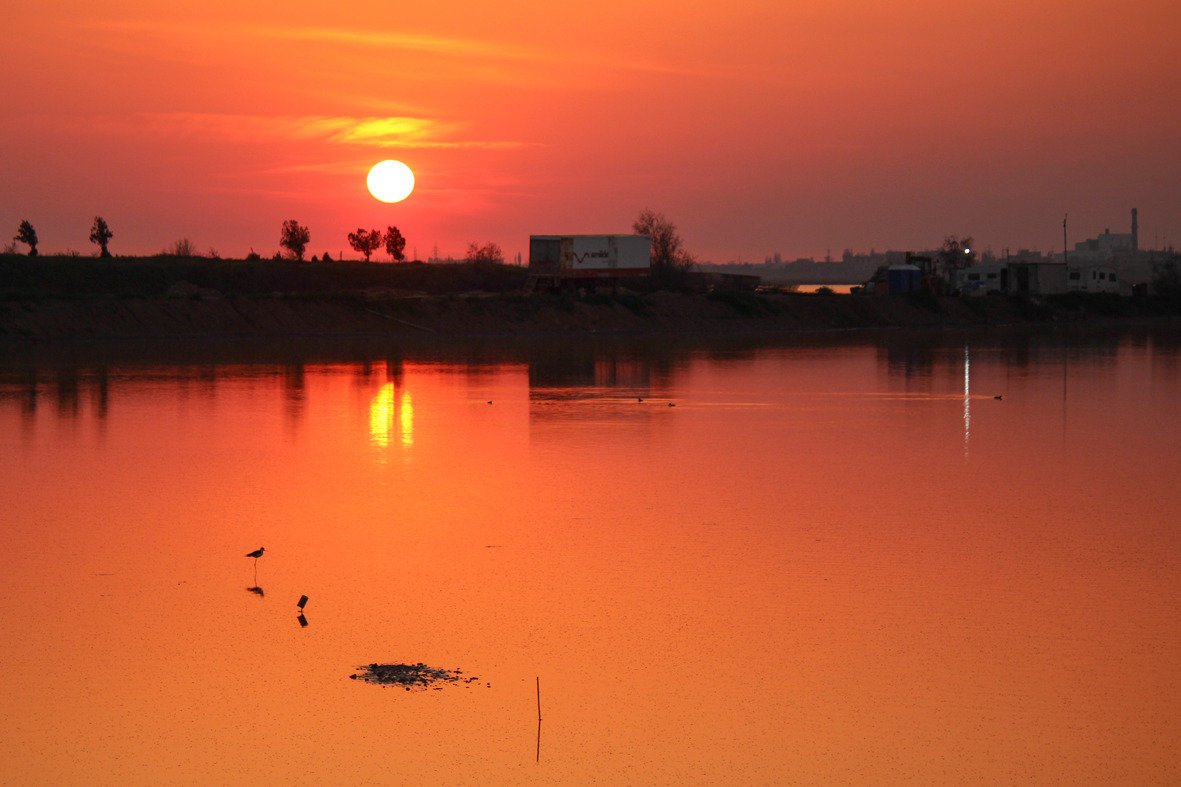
(955, 253)
(487, 253)
(670, 262)
(183, 248)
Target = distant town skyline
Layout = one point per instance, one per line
(801, 128)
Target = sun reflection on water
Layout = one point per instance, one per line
(391, 418)
(406, 419)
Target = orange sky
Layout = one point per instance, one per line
(795, 127)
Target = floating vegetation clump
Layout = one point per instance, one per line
(410, 676)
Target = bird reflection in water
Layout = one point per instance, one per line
(256, 590)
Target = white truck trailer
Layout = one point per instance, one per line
(584, 260)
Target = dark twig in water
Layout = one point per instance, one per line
(538, 719)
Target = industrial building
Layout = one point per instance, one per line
(1108, 244)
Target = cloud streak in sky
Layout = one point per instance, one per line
(469, 49)
(382, 132)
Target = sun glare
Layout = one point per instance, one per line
(390, 181)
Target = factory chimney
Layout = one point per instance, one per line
(1135, 232)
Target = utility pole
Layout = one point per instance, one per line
(1064, 238)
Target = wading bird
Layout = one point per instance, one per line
(256, 554)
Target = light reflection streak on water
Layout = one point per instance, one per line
(406, 419)
(381, 416)
(391, 417)
(967, 400)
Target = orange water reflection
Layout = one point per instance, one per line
(391, 417)
(826, 563)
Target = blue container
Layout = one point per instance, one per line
(903, 278)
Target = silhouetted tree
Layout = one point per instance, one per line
(294, 238)
(395, 244)
(488, 253)
(181, 248)
(670, 262)
(101, 234)
(365, 241)
(955, 254)
(26, 234)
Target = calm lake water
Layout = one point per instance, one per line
(822, 560)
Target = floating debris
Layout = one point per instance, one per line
(410, 676)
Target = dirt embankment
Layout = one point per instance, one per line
(202, 315)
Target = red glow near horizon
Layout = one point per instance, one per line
(773, 127)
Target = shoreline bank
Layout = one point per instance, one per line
(485, 315)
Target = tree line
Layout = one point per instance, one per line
(293, 238)
(670, 262)
(100, 234)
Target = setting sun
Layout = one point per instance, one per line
(390, 181)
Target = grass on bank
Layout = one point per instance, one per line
(153, 277)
